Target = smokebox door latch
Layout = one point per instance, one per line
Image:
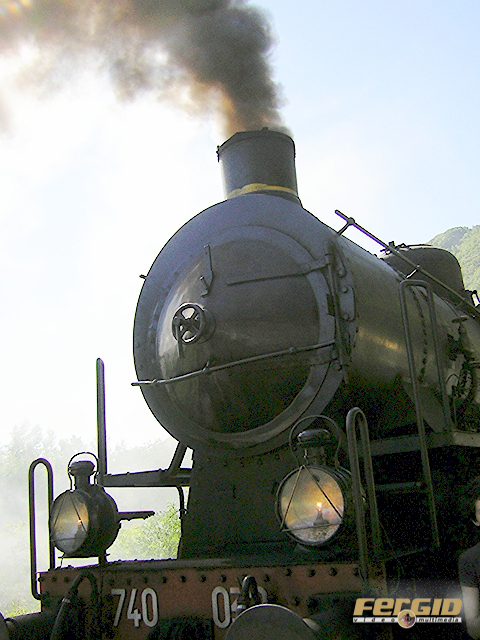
(207, 279)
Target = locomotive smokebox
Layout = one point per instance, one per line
(259, 162)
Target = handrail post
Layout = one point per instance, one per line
(355, 418)
(33, 536)
(101, 423)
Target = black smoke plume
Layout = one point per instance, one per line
(210, 53)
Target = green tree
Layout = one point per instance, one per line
(157, 537)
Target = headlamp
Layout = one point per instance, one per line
(84, 521)
(311, 503)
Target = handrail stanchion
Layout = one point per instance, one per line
(33, 536)
(355, 418)
(101, 424)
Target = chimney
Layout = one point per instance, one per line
(259, 162)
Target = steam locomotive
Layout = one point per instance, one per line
(332, 402)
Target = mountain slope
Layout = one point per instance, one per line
(464, 243)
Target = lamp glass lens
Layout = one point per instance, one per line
(311, 505)
(69, 522)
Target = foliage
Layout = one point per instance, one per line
(15, 595)
(19, 609)
(156, 537)
(464, 243)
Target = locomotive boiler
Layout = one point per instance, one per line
(318, 386)
(256, 316)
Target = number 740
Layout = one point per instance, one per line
(148, 607)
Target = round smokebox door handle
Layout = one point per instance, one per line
(191, 323)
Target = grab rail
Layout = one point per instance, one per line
(31, 510)
(356, 417)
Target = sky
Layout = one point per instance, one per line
(382, 99)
